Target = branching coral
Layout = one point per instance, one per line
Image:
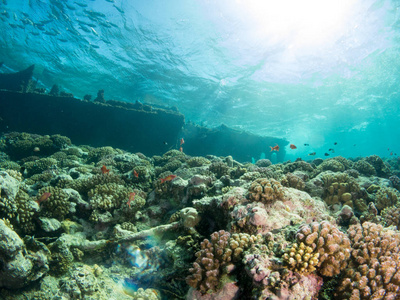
(291, 180)
(323, 242)
(374, 268)
(107, 196)
(340, 188)
(57, 205)
(266, 190)
(364, 168)
(214, 257)
(386, 197)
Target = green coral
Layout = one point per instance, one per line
(97, 154)
(331, 165)
(57, 205)
(340, 188)
(38, 166)
(108, 196)
(364, 168)
(386, 197)
(83, 186)
(219, 168)
(197, 161)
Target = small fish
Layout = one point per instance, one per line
(168, 178)
(42, 198)
(312, 153)
(355, 145)
(391, 153)
(331, 149)
(181, 149)
(306, 144)
(275, 148)
(104, 170)
(165, 143)
(388, 149)
(326, 154)
(135, 174)
(131, 198)
(292, 146)
(182, 141)
(36, 149)
(335, 143)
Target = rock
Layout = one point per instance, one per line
(17, 270)
(49, 224)
(9, 185)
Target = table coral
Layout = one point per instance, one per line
(324, 238)
(266, 190)
(374, 268)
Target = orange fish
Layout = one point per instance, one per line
(182, 141)
(131, 198)
(181, 149)
(135, 174)
(292, 146)
(276, 148)
(42, 198)
(168, 178)
(104, 170)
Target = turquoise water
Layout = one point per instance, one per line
(310, 72)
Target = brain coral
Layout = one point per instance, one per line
(374, 267)
(326, 240)
(266, 190)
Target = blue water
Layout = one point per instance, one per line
(313, 72)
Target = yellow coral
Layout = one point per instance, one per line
(266, 190)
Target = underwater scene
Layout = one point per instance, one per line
(196, 149)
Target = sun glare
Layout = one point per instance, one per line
(306, 23)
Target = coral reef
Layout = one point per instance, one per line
(323, 242)
(265, 190)
(80, 222)
(373, 271)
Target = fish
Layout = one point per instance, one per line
(335, 143)
(165, 143)
(326, 154)
(135, 173)
(182, 141)
(331, 149)
(391, 153)
(275, 148)
(312, 153)
(42, 198)
(168, 178)
(306, 144)
(36, 149)
(181, 149)
(104, 170)
(131, 198)
(292, 146)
